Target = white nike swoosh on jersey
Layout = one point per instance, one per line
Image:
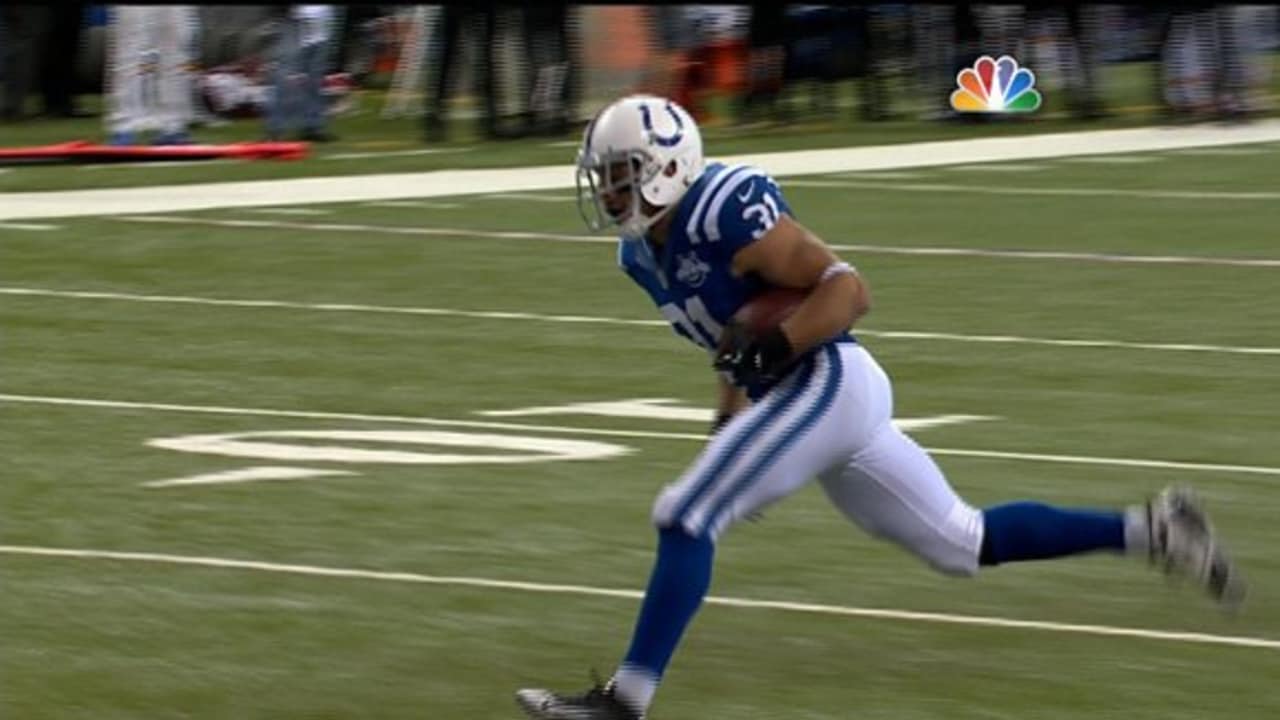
(746, 194)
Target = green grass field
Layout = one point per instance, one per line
(433, 621)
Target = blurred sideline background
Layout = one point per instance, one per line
(508, 71)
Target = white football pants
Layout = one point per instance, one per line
(830, 419)
(150, 54)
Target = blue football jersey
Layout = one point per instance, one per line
(690, 279)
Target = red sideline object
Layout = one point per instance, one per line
(86, 152)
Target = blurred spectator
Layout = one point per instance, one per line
(548, 69)
(766, 43)
(298, 68)
(458, 22)
(4, 50)
(887, 44)
(934, 40)
(818, 49)
(680, 71)
(1200, 67)
(867, 44)
(352, 32)
(1258, 29)
(1075, 29)
(149, 59)
(830, 44)
(61, 45)
(19, 41)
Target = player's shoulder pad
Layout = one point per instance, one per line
(740, 204)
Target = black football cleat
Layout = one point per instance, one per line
(1184, 543)
(598, 703)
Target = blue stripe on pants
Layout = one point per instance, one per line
(782, 444)
(730, 451)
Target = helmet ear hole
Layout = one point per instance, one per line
(670, 169)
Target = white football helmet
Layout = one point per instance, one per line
(641, 146)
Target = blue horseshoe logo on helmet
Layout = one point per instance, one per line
(669, 141)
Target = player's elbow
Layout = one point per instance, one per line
(859, 298)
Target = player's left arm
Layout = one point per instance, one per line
(789, 255)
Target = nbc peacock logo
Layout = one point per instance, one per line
(995, 86)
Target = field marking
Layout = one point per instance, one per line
(1005, 167)
(1216, 152)
(528, 197)
(701, 437)
(594, 591)
(278, 445)
(441, 183)
(243, 475)
(1152, 194)
(1111, 159)
(884, 175)
(419, 231)
(526, 316)
(393, 153)
(28, 226)
(670, 409)
(288, 211)
(413, 205)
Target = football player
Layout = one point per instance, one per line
(703, 240)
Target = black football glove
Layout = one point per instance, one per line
(753, 359)
(722, 418)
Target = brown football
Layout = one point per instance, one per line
(769, 308)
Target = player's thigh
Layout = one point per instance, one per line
(766, 452)
(894, 490)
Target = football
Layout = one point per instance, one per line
(769, 308)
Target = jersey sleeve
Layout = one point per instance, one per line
(640, 267)
(741, 207)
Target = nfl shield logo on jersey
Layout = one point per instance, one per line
(692, 270)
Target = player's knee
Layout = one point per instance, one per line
(666, 514)
(954, 564)
(664, 508)
(944, 556)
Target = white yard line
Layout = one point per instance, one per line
(595, 591)
(529, 197)
(603, 239)
(28, 226)
(1151, 194)
(699, 437)
(244, 475)
(596, 319)
(393, 153)
(418, 231)
(1112, 159)
(1218, 152)
(288, 211)
(440, 183)
(883, 175)
(1002, 168)
(413, 205)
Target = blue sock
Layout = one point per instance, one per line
(1034, 531)
(681, 576)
